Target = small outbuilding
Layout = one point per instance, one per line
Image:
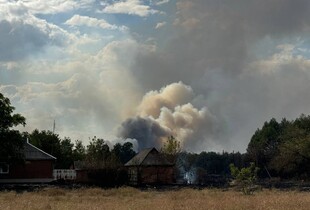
(37, 167)
(150, 167)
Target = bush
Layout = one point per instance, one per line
(245, 178)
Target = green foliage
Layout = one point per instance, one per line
(171, 148)
(79, 151)
(245, 177)
(7, 118)
(48, 142)
(98, 150)
(11, 141)
(66, 151)
(283, 148)
(124, 152)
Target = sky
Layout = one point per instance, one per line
(209, 72)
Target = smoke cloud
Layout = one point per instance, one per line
(167, 112)
(248, 60)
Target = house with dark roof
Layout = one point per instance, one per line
(37, 167)
(150, 167)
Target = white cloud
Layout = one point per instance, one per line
(130, 7)
(78, 20)
(161, 2)
(23, 37)
(160, 25)
(48, 7)
(23, 34)
(90, 95)
(277, 62)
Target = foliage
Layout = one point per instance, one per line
(283, 149)
(48, 142)
(98, 150)
(63, 149)
(124, 152)
(7, 118)
(79, 151)
(245, 177)
(66, 151)
(11, 140)
(171, 146)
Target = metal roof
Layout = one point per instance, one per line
(33, 153)
(149, 157)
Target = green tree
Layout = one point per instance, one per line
(283, 149)
(66, 150)
(48, 142)
(98, 153)
(171, 148)
(264, 144)
(79, 151)
(245, 177)
(293, 157)
(123, 152)
(11, 140)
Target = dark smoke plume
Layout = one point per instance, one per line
(146, 131)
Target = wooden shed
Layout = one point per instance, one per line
(150, 167)
(37, 168)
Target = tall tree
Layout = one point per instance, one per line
(48, 142)
(264, 144)
(79, 151)
(171, 146)
(11, 140)
(66, 150)
(283, 149)
(171, 149)
(98, 152)
(123, 152)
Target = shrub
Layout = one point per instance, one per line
(245, 177)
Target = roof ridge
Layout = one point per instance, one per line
(51, 156)
(148, 153)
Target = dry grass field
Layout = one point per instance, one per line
(130, 198)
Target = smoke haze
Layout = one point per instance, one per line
(114, 73)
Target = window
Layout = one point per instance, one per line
(4, 168)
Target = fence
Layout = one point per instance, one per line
(65, 174)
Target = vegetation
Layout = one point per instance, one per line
(245, 177)
(131, 198)
(282, 149)
(279, 149)
(171, 149)
(11, 140)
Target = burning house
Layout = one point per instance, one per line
(37, 167)
(150, 167)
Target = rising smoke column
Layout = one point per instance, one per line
(170, 111)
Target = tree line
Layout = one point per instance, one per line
(278, 149)
(97, 154)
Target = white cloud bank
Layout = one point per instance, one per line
(129, 7)
(78, 20)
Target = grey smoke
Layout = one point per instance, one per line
(146, 131)
(170, 111)
(216, 47)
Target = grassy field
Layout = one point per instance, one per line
(130, 198)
